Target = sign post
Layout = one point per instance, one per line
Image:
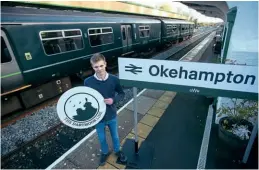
(135, 118)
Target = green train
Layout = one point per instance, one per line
(42, 48)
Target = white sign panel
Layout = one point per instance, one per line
(205, 75)
(81, 107)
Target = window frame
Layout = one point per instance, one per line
(143, 28)
(101, 28)
(8, 47)
(171, 30)
(63, 37)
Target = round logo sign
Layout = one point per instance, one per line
(81, 107)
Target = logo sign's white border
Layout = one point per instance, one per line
(82, 124)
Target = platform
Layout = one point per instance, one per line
(173, 122)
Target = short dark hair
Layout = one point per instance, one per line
(97, 57)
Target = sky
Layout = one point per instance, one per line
(179, 8)
(245, 31)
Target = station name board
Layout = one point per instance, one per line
(204, 78)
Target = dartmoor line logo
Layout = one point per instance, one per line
(81, 107)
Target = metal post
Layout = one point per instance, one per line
(250, 142)
(135, 118)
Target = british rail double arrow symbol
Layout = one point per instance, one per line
(133, 69)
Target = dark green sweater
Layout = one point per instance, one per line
(107, 88)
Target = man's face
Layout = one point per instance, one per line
(99, 67)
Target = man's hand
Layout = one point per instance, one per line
(108, 101)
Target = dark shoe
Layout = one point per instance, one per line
(103, 159)
(121, 157)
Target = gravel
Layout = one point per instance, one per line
(28, 128)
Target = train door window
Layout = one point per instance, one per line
(5, 54)
(129, 32)
(123, 33)
(61, 41)
(100, 36)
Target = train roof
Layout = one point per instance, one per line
(176, 21)
(23, 15)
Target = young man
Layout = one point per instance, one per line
(106, 84)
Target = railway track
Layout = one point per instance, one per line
(64, 136)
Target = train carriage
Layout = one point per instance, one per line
(43, 45)
(59, 44)
(171, 30)
(174, 30)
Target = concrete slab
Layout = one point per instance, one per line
(67, 164)
(107, 166)
(132, 136)
(149, 120)
(166, 99)
(155, 111)
(156, 94)
(144, 104)
(87, 155)
(170, 94)
(126, 122)
(161, 104)
(112, 160)
(143, 130)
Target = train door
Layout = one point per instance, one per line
(11, 76)
(126, 32)
(129, 37)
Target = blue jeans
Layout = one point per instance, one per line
(100, 128)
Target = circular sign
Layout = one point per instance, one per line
(81, 107)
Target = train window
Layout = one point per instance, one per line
(147, 33)
(72, 33)
(95, 40)
(142, 34)
(51, 34)
(144, 31)
(174, 28)
(123, 33)
(94, 31)
(100, 36)
(55, 42)
(107, 38)
(106, 30)
(141, 27)
(5, 54)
